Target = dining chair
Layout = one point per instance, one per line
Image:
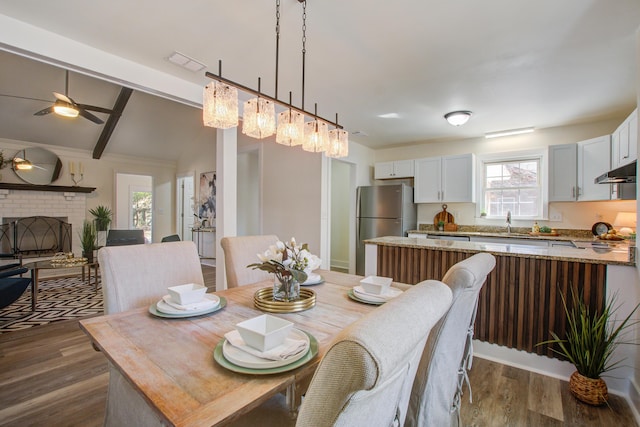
(170, 238)
(241, 251)
(437, 388)
(125, 237)
(366, 374)
(136, 276)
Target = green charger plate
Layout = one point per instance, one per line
(354, 297)
(311, 353)
(154, 310)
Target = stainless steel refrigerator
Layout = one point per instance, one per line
(383, 210)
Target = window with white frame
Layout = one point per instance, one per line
(512, 185)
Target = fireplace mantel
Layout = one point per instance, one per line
(58, 188)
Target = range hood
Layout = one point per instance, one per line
(621, 175)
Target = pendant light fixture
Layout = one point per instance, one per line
(259, 117)
(338, 143)
(259, 113)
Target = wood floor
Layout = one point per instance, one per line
(51, 376)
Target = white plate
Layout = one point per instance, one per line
(313, 279)
(388, 294)
(166, 308)
(246, 360)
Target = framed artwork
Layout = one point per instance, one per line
(207, 196)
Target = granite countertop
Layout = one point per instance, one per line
(621, 253)
(516, 233)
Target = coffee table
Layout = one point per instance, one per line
(36, 266)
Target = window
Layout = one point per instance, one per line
(512, 185)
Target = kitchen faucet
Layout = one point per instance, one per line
(508, 221)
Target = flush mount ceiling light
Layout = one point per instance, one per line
(289, 130)
(65, 109)
(458, 118)
(508, 132)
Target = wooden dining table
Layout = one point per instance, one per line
(170, 361)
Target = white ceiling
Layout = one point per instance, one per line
(514, 63)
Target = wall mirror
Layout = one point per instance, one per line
(37, 165)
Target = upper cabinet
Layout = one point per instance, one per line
(393, 170)
(573, 168)
(624, 141)
(445, 179)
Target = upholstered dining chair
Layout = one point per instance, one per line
(366, 374)
(241, 251)
(136, 276)
(437, 388)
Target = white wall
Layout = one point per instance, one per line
(340, 213)
(249, 193)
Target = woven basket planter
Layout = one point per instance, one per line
(588, 390)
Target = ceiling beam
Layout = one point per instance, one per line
(112, 121)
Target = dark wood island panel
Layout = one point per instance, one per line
(521, 301)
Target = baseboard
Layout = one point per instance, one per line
(341, 264)
(542, 365)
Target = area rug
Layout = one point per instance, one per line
(58, 299)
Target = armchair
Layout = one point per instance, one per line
(11, 288)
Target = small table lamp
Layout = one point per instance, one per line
(625, 222)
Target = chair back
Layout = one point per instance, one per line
(171, 238)
(125, 237)
(434, 394)
(138, 275)
(241, 251)
(362, 377)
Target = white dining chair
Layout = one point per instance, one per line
(136, 276)
(437, 387)
(241, 251)
(365, 376)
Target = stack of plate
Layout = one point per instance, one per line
(166, 308)
(358, 293)
(263, 300)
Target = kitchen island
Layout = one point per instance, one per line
(521, 301)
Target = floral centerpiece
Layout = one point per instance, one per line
(291, 264)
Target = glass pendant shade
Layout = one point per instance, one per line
(259, 118)
(220, 106)
(338, 143)
(316, 136)
(290, 128)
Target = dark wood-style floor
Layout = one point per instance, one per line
(51, 376)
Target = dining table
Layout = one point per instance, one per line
(170, 361)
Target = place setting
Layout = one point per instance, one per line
(265, 345)
(375, 290)
(187, 300)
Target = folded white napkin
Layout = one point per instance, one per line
(289, 348)
(200, 305)
(312, 278)
(388, 294)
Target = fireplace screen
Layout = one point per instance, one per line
(35, 236)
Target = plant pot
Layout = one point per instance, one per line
(588, 390)
(88, 255)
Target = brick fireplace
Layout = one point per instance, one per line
(28, 203)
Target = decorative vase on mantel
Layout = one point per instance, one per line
(286, 288)
(588, 390)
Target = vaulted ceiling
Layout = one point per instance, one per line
(391, 70)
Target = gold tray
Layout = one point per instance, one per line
(263, 300)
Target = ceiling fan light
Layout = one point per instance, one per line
(338, 143)
(458, 118)
(220, 106)
(290, 129)
(316, 136)
(64, 109)
(259, 118)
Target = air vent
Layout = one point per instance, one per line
(186, 62)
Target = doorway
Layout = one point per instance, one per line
(134, 203)
(342, 216)
(185, 201)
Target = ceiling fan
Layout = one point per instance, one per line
(67, 107)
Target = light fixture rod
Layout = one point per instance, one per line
(262, 95)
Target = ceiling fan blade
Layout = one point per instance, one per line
(44, 111)
(63, 98)
(87, 115)
(96, 109)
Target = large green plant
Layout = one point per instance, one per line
(591, 337)
(88, 237)
(102, 215)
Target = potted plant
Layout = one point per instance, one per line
(102, 216)
(590, 341)
(88, 240)
(441, 225)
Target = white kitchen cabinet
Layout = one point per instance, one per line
(445, 179)
(394, 170)
(573, 168)
(624, 141)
